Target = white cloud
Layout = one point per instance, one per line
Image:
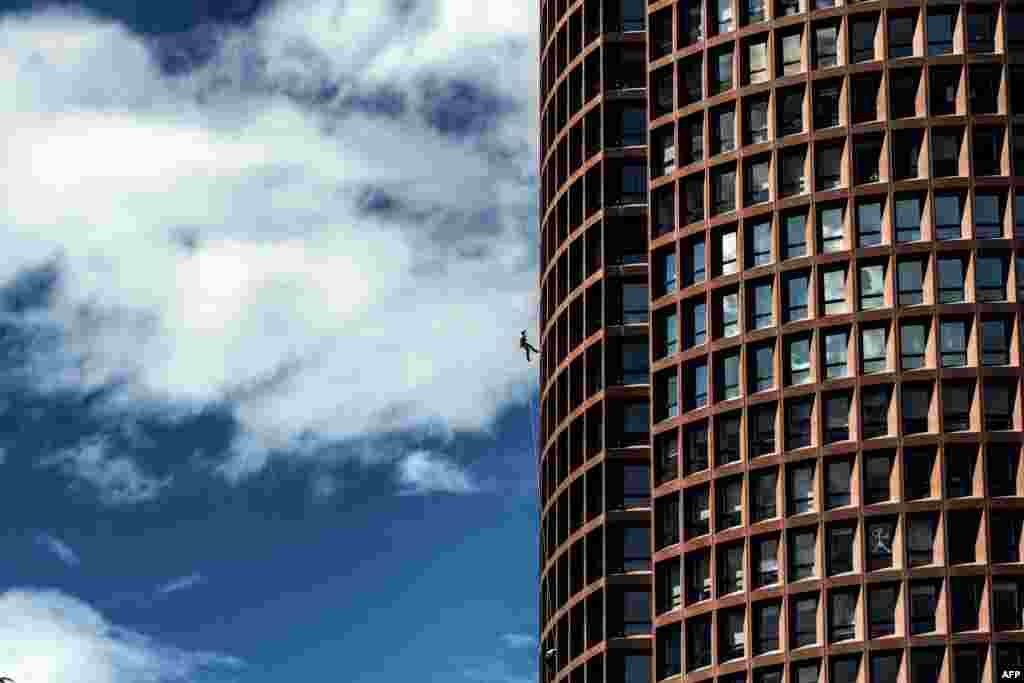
(58, 547)
(181, 583)
(519, 640)
(423, 472)
(117, 479)
(50, 637)
(314, 320)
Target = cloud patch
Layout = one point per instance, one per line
(206, 241)
(425, 472)
(62, 550)
(180, 584)
(51, 637)
(116, 479)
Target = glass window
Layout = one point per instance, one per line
(791, 54)
(728, 242)
(836, 354)
(952, 277)
(988, 221)
(837, 418)
(723, 129)
(981, 30)
(956, 406)
(920, 537)
(879, 541)
(825, 44)
(697, 323)
(999, 400)
(801, 484)
(834, 284)
(948, 216)
(843, 609)
(803, 558)
(923, 606)
(730, 504)
(635, 417)
(995, 341)
(767, 628)
(829, 172)
(757, 120)
(873, 342)
(670, 333)
(990, 278)
(798, 423)
(916, 401)
(761, 238)
(761, 315)
(698, 632)
(634, 362)
(693, 133)
(670, 649)
(723, 187)
(670, 406)
(699, 380)
(946, 150)
(953, 338)
(636, 613)
(877, 472)
(634, 184)
(730, 315)
(791, 173)
(755, 11)
(698, 572)
(826, 106)
(796, 296)
(757, 181)
(838, 473)
(862, 35)
(799, 360)
(634, 303)
(757, 61)
(728, 437)
(723, 15)
(693, 23)
(805, 618)
(636, 551)
(762, 432)
(696, 448)
(732, 568)
(722, 63)
(940, 32)
(901, 36)
(830, 219)
(636, 668)
(668, 271)
(840, 549)
(731, 376)
(762, 367)
(790, 107)
(634, 126)
(869, 224)
(695, 262)
(872, 286)
(763, 484)
(875, 410)
(908, 219)
(911, 282)
(795, 235)
(913, 338)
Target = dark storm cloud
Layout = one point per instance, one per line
(461, 108)
(31, 290)
(154, 18)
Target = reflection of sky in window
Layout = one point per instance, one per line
(954, 333)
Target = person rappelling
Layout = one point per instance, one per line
(526, 346)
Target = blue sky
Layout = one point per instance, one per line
(262, 416)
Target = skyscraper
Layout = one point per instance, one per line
(781, 400)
